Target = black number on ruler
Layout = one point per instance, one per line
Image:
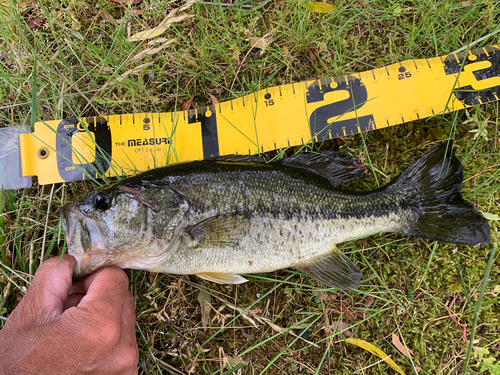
(209, 137)
(269, 102)
(403, 73)
(467, 94)
(319, 120)
(71, 170)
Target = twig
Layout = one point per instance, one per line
(137, 195)
(464, 326)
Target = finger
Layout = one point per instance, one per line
(78, 287)
(73, 300)
(106, 292)
(128, 317)
(78, 291)
(130, 357)
(44, 300)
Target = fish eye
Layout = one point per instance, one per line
(101, 201)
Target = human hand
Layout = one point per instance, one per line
(61, 327)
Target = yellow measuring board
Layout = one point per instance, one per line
(274, 118)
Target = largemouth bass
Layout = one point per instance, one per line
(217, 219)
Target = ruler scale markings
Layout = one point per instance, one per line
(319, 109)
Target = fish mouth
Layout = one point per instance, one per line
(84, 239)
(77, 236)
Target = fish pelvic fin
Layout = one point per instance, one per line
(222, 278)
(436, 180)
(335, 270)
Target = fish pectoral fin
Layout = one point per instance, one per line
(218, 231)
(335, 270)
(222, 278)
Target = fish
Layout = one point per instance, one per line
(221, 218)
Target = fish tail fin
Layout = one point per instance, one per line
(436, 180)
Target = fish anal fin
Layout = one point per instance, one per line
(224, 230)
(222, 278)
(335, 270)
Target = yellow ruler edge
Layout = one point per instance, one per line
(274, 118)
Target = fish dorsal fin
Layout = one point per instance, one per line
(335, 270)
(337, 167)
(222, 278)
(231, 158)
(218, 231)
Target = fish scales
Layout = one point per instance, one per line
(220, 218)
(281, 214)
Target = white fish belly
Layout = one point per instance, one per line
(271, 244)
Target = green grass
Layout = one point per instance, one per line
(70, 68)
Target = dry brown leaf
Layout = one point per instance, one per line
(342, 326)
(110, 19)
(213, 99)
(466, 4)
(138, 11)
(259, 42)
(311, 54)
(245, 316)
(205, 299)
(60, 102)
(187, 104)
(370, 299)
(36, 23)
(399, 345)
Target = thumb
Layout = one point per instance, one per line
(44, 300)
